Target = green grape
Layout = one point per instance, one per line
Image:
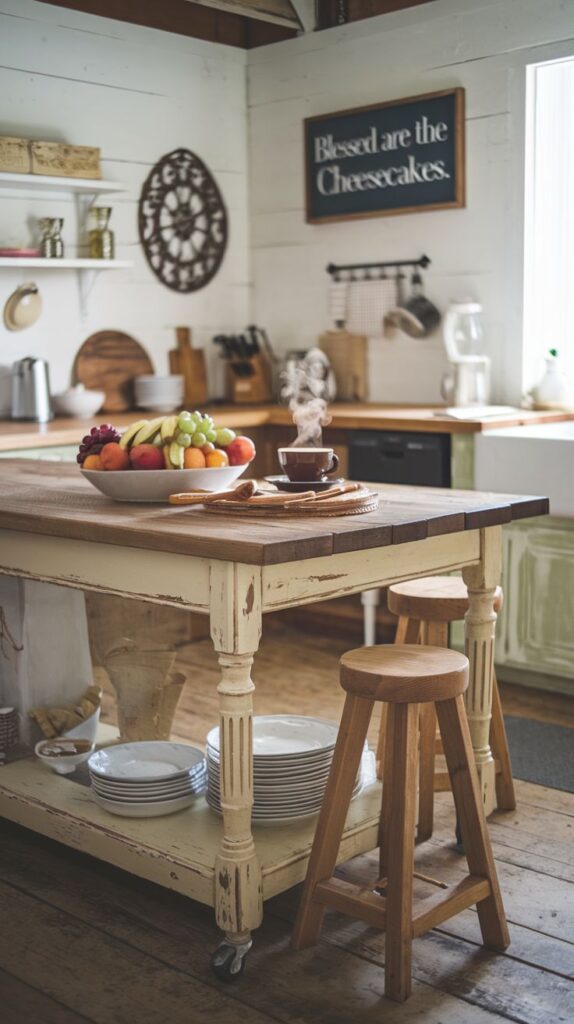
(184, 440)
(186, 422)
(204, 425)
(198, 440)
(211, 435)
(225, 436)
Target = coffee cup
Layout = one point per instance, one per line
(307, 464)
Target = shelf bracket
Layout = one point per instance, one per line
(86, 281)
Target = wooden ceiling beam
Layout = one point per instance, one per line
(276, 12)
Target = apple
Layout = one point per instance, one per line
(240, 451)
(146, 456)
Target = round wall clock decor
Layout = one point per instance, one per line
(182, 222)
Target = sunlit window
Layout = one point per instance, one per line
(549, 217)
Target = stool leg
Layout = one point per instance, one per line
(434, 634)
(408, 631)
(385, 819)
(505, 796)
(398, 945)
(470, 812)
(345, 765)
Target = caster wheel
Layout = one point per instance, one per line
(228, 961)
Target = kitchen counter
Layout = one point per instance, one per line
(350, 416)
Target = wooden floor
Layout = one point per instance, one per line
(83, 942)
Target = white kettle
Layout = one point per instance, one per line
(468, 383)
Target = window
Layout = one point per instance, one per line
(549, 217)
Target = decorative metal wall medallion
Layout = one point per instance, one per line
(182, 222)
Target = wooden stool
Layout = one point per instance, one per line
(425, 607)
(403, 677)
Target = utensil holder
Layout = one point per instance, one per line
(249, 380)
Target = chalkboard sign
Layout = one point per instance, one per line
(389, 158)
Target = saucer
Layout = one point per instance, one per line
(283, 483)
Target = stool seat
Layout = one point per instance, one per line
(433, 599)
(405, 673)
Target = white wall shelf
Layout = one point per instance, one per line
(43, 182)
(42, 263)
(85, 191)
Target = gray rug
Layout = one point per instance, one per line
(541, 753)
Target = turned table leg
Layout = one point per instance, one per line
(480, 621)
(235, 630)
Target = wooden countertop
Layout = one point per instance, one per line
(16, 435)
(54, 500)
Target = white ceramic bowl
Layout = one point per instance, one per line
(158, 484)
(63, 764)
(78, 402)
(87, 729)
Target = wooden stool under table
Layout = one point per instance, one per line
(403, 677)
(425, 607)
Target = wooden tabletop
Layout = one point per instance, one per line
(16, 436)
(54, 500)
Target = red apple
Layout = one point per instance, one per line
(147, 456)
(240, 451)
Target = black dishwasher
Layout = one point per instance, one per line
(400, 457)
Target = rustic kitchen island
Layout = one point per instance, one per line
(55, 528)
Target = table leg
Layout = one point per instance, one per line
(235, 631)
(480, 621)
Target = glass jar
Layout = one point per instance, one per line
(101, 239)
(52, 246)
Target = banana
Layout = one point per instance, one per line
(166, 459)
(148, 431)
(130, 432)
(176, 455)
(168, 427)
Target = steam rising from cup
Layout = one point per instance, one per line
(307, 385)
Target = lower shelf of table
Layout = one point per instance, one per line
(177, 851)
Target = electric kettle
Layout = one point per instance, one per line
(31, 390)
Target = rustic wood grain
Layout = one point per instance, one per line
(54, 500)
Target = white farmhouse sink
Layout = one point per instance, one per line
(529, 460)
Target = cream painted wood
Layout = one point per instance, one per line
(227, 868)
(235, 619)
(480, 626)
(317, 579)
(128, 572)
(178, 852)
(46, 664)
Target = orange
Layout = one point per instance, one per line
(193, 458)
(92, 462)
(216, 459)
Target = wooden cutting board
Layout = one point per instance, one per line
(190, 363)
(108, 361)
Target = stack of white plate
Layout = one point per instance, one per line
(147, 779)
(292, 756)
(159, 394)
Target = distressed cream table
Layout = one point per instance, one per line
(54, 527)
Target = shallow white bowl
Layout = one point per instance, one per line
(158, 484)
(65, 764)
(79, 403)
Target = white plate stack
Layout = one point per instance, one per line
(159, 394)
(292, 756)
(147, 779)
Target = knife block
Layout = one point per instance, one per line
(249, 380)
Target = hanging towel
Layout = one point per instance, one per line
(368, 302)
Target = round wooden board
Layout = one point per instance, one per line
(108, 361)
(365, 501)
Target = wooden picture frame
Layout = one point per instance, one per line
(458, 199)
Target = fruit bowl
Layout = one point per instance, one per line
(158, 484)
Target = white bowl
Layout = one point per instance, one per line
(87, 729)
(158, 484)
(64, 764)
(79, 403)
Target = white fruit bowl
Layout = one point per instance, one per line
(158, 484)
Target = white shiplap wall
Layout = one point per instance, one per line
(137, 94)
(483, 45)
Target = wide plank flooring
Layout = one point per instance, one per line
(84, 942)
